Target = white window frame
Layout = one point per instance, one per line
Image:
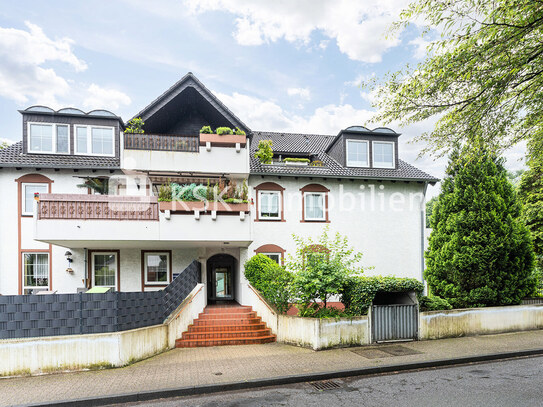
(36, 287)
(89, 140)
(279, 257)
(279, 208)
(24, 211)
(357, 163)
(147, 282)
(323, 194)
(393, 164)
(93, 268)
(54, 141)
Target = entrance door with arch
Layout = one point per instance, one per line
(220, 277)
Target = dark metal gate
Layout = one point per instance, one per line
(394, 317)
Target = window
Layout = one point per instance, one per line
(276, 257)
(48, 138)
(28, 196)
(314, 206)
(94, 140)
(357, 153)
(35, 272)
(269, 202)
(104, 269)
(157, 268)
(383, 154)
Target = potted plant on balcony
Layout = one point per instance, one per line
(223, 136)
(135, 126)
(296, 161)
(264, 152)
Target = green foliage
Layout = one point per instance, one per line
(433, 303)
(135, 126)
(264, 152)
(272, 280)
(244, 193)
(321, 267)
(3, 144)
(480, 253)
(206, 130)
(296, 160)
(429, 208)
(98, 185)
(481, 77)
(531, 194)
(358, 292)
(165, 193)
(199, 192)
(239, 132)
(224, 130)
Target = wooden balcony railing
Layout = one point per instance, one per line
(161, 142)
(97, 207)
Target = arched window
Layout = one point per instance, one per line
(274, 252)
(315, 203)
(269, 202)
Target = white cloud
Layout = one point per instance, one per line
(358, 27)
(22, 56)
(98, 97)
(420, 45)
(303, 93)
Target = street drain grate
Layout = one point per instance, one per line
(385, 352)
(325, 385)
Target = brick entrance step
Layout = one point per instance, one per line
(226, 325)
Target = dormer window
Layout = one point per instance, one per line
(357, 153)
(48, 138)
(94, 140)
(383, 154)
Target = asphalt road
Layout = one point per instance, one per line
(511, 383)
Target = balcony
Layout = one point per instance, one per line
(185, 153)
(104, 221)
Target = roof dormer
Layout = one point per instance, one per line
(360, 147)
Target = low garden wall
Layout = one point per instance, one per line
(114, 349)
(480, 321)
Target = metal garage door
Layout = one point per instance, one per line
(395, 317)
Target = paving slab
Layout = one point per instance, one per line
(205, 367)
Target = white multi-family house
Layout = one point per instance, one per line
(60, 237)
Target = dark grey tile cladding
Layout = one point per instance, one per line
(27, 316)
(317, 144)
(13, 156)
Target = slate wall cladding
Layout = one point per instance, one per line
(27, 316)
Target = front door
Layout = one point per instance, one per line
(220, 277)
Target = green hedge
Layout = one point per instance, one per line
(272, 280)
(433, 303)
(358, 292)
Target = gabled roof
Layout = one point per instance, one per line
(317, 144)
(13, 156)
(188, 81)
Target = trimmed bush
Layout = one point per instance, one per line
(433, 303)
(272, 280)
(224, 130)
(358, 292)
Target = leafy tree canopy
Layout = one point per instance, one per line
(3, 145)
(480, 252)
(481, 79)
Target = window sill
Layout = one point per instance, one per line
(270, 220)
(314, 221)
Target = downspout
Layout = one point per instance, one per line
(423, 233)
(85, 251)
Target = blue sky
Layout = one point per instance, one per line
(279, 65)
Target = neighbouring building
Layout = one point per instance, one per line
(58, 234)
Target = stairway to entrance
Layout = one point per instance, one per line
(230, 324)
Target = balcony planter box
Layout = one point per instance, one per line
(228, 207)
(297, 163)
(226, 140)
(182, 206)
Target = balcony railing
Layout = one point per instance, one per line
(105, 207)
(161, 142)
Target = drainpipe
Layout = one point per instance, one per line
(423, 233)
(85, 251)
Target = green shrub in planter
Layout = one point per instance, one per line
(206, 130)
(165, 193)
(200, 192)
(272, 280)
(264, 152)
(296, 160)
(239, 132)
(433, 303)
(358, 292)
(221, 131)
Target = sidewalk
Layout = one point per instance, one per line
(208, 367)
